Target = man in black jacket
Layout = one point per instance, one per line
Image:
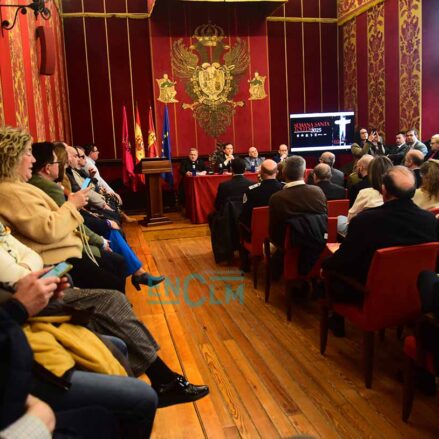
(397, 222)
(322, 178)
(192, 164)
(234, 188)
(259, 194)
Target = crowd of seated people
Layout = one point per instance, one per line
(87, 345)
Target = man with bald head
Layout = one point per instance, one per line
(397, 222)
(281, 154)
(434, 148)
(259, 194)
(329, 159)
(362, 179)
(322, 178)
(253, 161)
(413, 161)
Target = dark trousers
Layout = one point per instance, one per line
(86, 274)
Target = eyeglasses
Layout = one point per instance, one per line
(54, 163)
(81, 156)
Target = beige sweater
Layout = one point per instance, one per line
(38, 222)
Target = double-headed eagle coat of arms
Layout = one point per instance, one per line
(211, 71)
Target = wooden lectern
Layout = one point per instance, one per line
(152, 168)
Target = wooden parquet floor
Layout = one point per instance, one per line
(266, 376)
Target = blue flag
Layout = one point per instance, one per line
(166, 147)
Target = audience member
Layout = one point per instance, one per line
(112, 314)
(282, 153)
(434, 145)
(427, 196)
(413, 161)
(369, 197)
(234, 188)
(253, 161)
(45, 172)
(295, 198)
(411, 142)
(363, 181)
(322, 178)
(397, 222)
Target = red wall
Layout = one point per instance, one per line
(27, 99)
(125, 57)
(387, 100)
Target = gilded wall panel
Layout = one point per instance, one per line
(36, 86)
(350, 66)
(410, 12)
(18, 78)
(50, 108)
(376, 72)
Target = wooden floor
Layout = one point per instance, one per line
(266, 376)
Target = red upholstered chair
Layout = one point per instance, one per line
(338, 207)
(332, 229)
(391, 297)
(259, 232)
(307, 172)
(415, 355)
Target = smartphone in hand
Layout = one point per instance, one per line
(58, 271)
(86, 183)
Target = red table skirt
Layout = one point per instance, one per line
(200, 193)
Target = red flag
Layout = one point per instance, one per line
(129, 177)
(152, 138)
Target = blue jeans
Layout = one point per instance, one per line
(119, 245)
(133, 401)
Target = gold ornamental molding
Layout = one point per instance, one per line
(302, 20)
(357, 11)
(132, 15)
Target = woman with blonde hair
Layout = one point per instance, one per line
(37, 221)
(427, 196)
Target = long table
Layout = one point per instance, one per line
(200, 193)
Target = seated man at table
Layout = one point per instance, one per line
(397, 222)
(281, 154)
(253, 161)
(225, 158)
(234, 188)
(190, 166)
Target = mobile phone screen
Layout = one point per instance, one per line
(59, 270)
(86, 183)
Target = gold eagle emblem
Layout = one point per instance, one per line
(210, 83)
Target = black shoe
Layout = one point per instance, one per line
(336, 325)
(179, 391)
(146, 279)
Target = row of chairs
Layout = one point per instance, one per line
(390, 300)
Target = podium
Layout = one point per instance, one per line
(152, 168)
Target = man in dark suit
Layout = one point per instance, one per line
(234, 188)
(259, 194)
(329, 159)
(413, 161)
(281, 154)
(434, 148)
(295, 198)
(322, 179)
(397, 222)
(411, 142)
(192, 164)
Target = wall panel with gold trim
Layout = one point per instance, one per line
(28, 99)
(397, 83)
